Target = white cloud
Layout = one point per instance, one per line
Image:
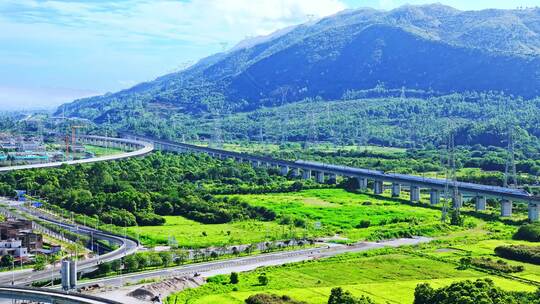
(198, 21)
(110, 45)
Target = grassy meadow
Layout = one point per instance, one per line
(102, 151)
(386, 275)
(192, 234)
(325, 212)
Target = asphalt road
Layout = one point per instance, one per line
(27, 276)
(252, 262)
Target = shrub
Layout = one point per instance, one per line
(300, 223)
(488, 263)
(263, 298)
(364, 224)
(528, 254)
(530, 232)
(234, 278)
(149, 219)
(285, 220)
(338, 296)
(263, 279)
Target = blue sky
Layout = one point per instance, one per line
(55, 51)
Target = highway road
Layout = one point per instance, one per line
(27, 276)
(48, 296)
(252, 262)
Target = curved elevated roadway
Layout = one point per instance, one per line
(127, 246)
(135, 148)
(415, 183)
(138, 148)
(41, 295)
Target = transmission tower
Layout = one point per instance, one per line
(217, 140)
(510, 164)
(450, 184)
(329, 122)
(284, 127)
(312, 133)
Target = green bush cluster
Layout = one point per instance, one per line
(530, 232)
(468, 292)
(488, 263)
(264, 298)
(523, 253)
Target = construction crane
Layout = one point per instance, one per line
(73, 140)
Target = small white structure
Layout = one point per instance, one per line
(13, 248)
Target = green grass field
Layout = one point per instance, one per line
(191, 234)
(327, 212)
(387, 275)
(339, 212)
(386, 278)
(101, 151)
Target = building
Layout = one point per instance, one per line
(10, 229)
(30, 146)
(28, 157)
(33, 242)
(13, 247)
(18, 239)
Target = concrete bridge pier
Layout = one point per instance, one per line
(306, 174)
(332, 178)
(284, 170)
(480, 203)
(396, 189)
(506, 208)
(457, 200)
(295, 172)
(434, 197)
(415, 193)
(378, 187)
(362, 183)
(534, 208)
(319, 177)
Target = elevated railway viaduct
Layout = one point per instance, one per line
(328, 173)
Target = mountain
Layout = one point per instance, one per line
(433, 49)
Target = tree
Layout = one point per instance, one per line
(263, 279)
(131, 263)
(7, 260)
(166, 257)
(339, 296)
(104, 268)
(143, 259)
(116, 265)
(234, 278)
(456, 219)
(481, 291)
(39, 263)
(423, 294)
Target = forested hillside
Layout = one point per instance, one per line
(406, 122)
(433, 49)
